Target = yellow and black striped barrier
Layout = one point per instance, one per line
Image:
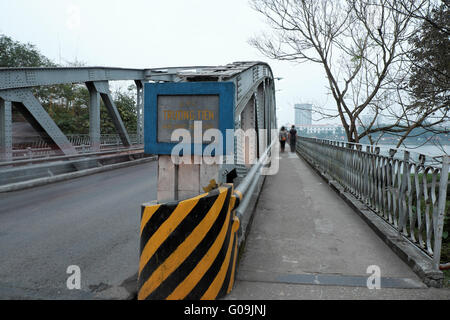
(189, 248)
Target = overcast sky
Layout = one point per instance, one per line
(156, 33)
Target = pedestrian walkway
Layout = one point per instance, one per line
(307, 243)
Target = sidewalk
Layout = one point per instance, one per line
(307, 243)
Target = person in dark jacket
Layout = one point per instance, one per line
(293, 138)
(283, 138)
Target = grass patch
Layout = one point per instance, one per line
(446, 278)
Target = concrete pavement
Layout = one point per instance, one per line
(307, 243)
(92, 222)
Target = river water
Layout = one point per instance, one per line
(432, 153)
(427, 149)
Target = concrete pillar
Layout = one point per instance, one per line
(188, 181)
(208, 172)
(185, 181)
(5, 130)
(166, 179)
(94, 118)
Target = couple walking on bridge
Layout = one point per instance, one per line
(290, 136)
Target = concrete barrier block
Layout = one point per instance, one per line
(189, 248)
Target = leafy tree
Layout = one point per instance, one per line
(67, 104)
(430, 78)
(14, 54)
(126, 105)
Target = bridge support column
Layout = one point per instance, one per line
(140, 111)
(248, 147)
(5, 130)
(32, 110)
(267, 108)
(103, 88)
(261, 117)
(94, 117)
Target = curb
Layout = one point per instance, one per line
(421, 264)
(247, 220)
(68, 176)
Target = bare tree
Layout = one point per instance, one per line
(363, 48)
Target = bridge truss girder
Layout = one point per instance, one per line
(32, 110)
(15, 91)
(253, 80)
(254, 102)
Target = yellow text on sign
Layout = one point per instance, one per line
(181, 115)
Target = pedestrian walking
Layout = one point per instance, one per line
(283, 138)
(293, 138)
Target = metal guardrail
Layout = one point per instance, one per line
(408, 194)
(36, 142)
(67, 158)
(36, 147)
(247, 187)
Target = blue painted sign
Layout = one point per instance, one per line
(195, 107)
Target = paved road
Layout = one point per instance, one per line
(307, 243)
(92, 222)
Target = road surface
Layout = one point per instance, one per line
(90, 222)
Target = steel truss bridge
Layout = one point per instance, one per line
(254, 83)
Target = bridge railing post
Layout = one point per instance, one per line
(94, 117)
(440, 213)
